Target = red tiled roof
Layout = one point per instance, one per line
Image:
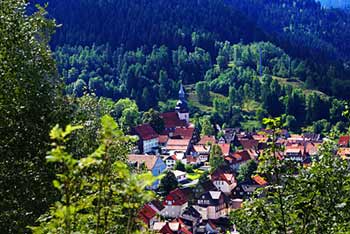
(225, 149)
(344, 140)
(146, 132)
(171, 157)
(259, 180)
(166, 229)
(201, 149)
(241, 156)
(207, 139)
(178, 144)
(191, 159)
(172, 120)
(177, 197)
(222, 176)
(249, 144)
(157, 204)
(295, 148)
(185, 133)
(260, 138)
(146, 214)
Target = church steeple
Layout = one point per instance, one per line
(181, 106)
(182, 93)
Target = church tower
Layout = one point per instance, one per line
(182, 107)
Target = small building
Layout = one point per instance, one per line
(294, 154)
(212, 205)
(201, 151)
(191, 218)
(344, 153)
(170, 161)
(178, 145)
(175, 203)
(180, 176)
(148, 138)
(238, 158)
(152, 163)
(224, 181)
(225, 149)
(344, 141)
(246, 189)
(148, 215)
(207, 140)
(171, 122)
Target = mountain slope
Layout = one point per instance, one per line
(136, 23)
(303, 28)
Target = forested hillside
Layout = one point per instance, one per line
(112, 53)
(302, 28)
(137, 23)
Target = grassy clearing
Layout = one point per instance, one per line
(296, 83)
(251, 125)
(193, 99)
(195, 175)
(250, 106)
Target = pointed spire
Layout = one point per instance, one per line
(181, 92)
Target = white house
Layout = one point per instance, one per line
(224, 181)
(148, 138)
(180, 175)
(212, 205)
(170, 161)
(175, 203)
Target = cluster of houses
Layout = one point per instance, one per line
(203, 206)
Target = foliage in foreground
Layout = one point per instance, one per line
(99, 193)
(30, 105)
(298, 199)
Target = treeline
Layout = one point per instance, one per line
(137, 23)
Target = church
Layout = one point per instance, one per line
(182, 106)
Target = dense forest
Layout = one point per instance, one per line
(150, 77)
(145, 60)
(303, 29)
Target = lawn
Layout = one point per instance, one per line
(195, 175)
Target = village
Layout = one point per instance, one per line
(205, 196)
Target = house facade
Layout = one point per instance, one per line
(148, 138)
(212, 205)
(153, 163)
(224, 180)
(175, 203)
